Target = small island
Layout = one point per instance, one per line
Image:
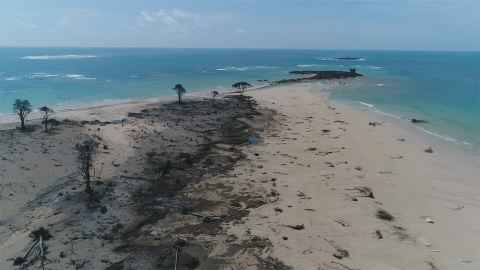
(312, 75)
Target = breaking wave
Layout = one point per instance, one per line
(355, 59)
(426, 131)
(235, 68)
(310, 65)
(12, 78)
(42, 75)
(59, 57)
(367, 104)
(443, 137)
(79, 77)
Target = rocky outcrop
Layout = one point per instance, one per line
(312, 75)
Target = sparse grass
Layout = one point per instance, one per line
(384, 215)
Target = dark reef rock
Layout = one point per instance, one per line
(313, 75)
(418, 121)
(349, 58)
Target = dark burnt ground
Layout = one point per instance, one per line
(175, 203)
(176, 208)
(170, 198)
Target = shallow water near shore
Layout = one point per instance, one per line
(441, 87)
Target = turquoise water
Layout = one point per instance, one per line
(442, 87)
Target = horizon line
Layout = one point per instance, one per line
(237, 48)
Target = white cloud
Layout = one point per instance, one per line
(240, 30)
(178, 21)
(74, 17)
(173, 20)
(26, 24)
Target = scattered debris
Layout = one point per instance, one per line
(298, 227)
(424, 241)
(343, 265)
(379, 234)
(363, 192)
(401, 233)
(432, 266)
(429, 220)
(341, 253)
(342, 222)
(384, 215)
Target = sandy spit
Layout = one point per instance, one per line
(321, 187)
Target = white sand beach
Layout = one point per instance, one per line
(322, 169)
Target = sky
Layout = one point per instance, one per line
(293, 24)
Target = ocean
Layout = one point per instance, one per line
(441, 87)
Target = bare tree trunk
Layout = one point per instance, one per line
(88, 186)
(22, 121)
(46, 123)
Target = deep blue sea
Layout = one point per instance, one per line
(442, 87)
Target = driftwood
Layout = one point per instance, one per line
(343, 265)
(36, 251)
(296, 227)
(363, 191)
(176, 258)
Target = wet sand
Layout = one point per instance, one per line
(186, 182)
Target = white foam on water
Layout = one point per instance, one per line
(309, 65)
(59, 57)
(426, 131)
(235, 68)
(367, 104)
(443, 137)
(360, 59)
(12, 79)
(42, 75)
(79, 77)
(388, 114)
(265, 67)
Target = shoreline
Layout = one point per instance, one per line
(428, 194)
(9, 119)
(443, 141)
(446, 144)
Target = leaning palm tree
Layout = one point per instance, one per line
(22, 108)
(180, 92)
(241, 86)
(46, 113)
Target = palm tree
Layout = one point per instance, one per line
(46, 113)
(22, 108)
(242, 86)
(180, 92)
